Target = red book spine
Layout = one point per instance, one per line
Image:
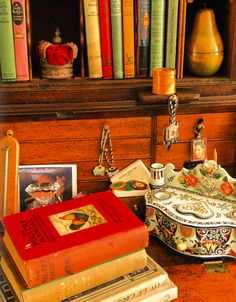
(106, 42)
(20, 40)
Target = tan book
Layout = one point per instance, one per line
(92, 29)
(141, 285)
(166, 292)
(70, 285)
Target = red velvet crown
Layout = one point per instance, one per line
(57, 55)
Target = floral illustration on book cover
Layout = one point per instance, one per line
(76, 219)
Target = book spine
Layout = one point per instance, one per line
(128, 38)
(69, 286)
(91, 14)
(117, 43)
(7, 52)
(136, 292)
(133, 287)
(171, 35)
(6, 292)
(164, 293)
(20, 40)
(44, 269)
(106, 43)
(157, 34)
(143, 37)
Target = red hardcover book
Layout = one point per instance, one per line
(20, 40)
(105, 36)
(53, 241)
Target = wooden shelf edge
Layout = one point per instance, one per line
(45, 99)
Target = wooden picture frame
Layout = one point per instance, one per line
(41, 185)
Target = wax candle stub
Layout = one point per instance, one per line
(164, 81)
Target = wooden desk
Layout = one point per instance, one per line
(195, 283)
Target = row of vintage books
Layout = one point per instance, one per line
(13, 41)
(126, 39)
(90, 248)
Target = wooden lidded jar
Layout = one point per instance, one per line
(204, 48)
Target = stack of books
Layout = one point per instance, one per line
(86, 249)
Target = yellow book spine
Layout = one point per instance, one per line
(128, 38)
(92, 28)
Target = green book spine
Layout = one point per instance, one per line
(117, 38)
(7, 52)
(171, 35)
(157, 34)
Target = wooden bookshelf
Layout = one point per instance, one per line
(51, 15)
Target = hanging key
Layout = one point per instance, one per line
(171, 135)
(171, 131)
(99, 170)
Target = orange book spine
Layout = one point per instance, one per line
(128, 38)
(20, 40)
(87, 255)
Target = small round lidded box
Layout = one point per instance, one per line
(56, 58)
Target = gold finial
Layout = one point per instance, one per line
(10, 133)
(57, 39)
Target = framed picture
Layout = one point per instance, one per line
(199, 149)
(41, 185)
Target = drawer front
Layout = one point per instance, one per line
(220, 131)
(217, 126)
(77, 129)
(181, 152)
(78, 142)
(136, 204)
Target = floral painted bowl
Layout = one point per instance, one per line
(194, 213)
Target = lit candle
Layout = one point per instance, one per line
(164, 81)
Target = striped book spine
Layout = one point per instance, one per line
(171, 35)
(128, 38)
(20, 40)
(105, 32)
(7, 52)
(157, 34)
(117, 38)
(92, 28)
(143, 38)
